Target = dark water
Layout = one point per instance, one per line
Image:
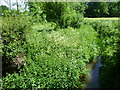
(94, 74)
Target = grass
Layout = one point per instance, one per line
(104, 18)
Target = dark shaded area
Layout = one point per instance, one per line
(109, 72)
(102, 9)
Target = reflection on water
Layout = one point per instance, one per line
(94, 83)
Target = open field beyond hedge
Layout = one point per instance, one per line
(104, 18)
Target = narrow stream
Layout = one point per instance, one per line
(94, 73)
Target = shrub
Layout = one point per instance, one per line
(71, 19)
(13, 39)
(63, 13)
(55, 59)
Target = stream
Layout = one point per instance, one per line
(94, 74)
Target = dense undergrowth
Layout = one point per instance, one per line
(55, 58)
(38, 52)
(109, 35)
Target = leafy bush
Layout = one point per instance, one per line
(55, 59)
(109, 44)
(3, 8)
(63, 13)
(13, 38)
(72, 19)
(11, 13)
(108, 34)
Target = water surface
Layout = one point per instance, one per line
(94, 74)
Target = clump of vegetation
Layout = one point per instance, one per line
(55, 59)
(63, 13)
(109, 46)
(13, 40)
(50, 46)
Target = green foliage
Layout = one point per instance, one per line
(113, 9)
(13, 38)
(102, 9)
(11, 13)
(55, 58)
(108, 32)
(96, 9)
(14, 13)
(3, 9)
(72, 19)
(63, 13)
(110, 48)
(37, 11)
(54, 10)
(109, 44)
(72, 15)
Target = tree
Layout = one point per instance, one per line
(26, 4)
(113, 9)
(63, 13)
(96, 9)
(3, 9)
(17, 4)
